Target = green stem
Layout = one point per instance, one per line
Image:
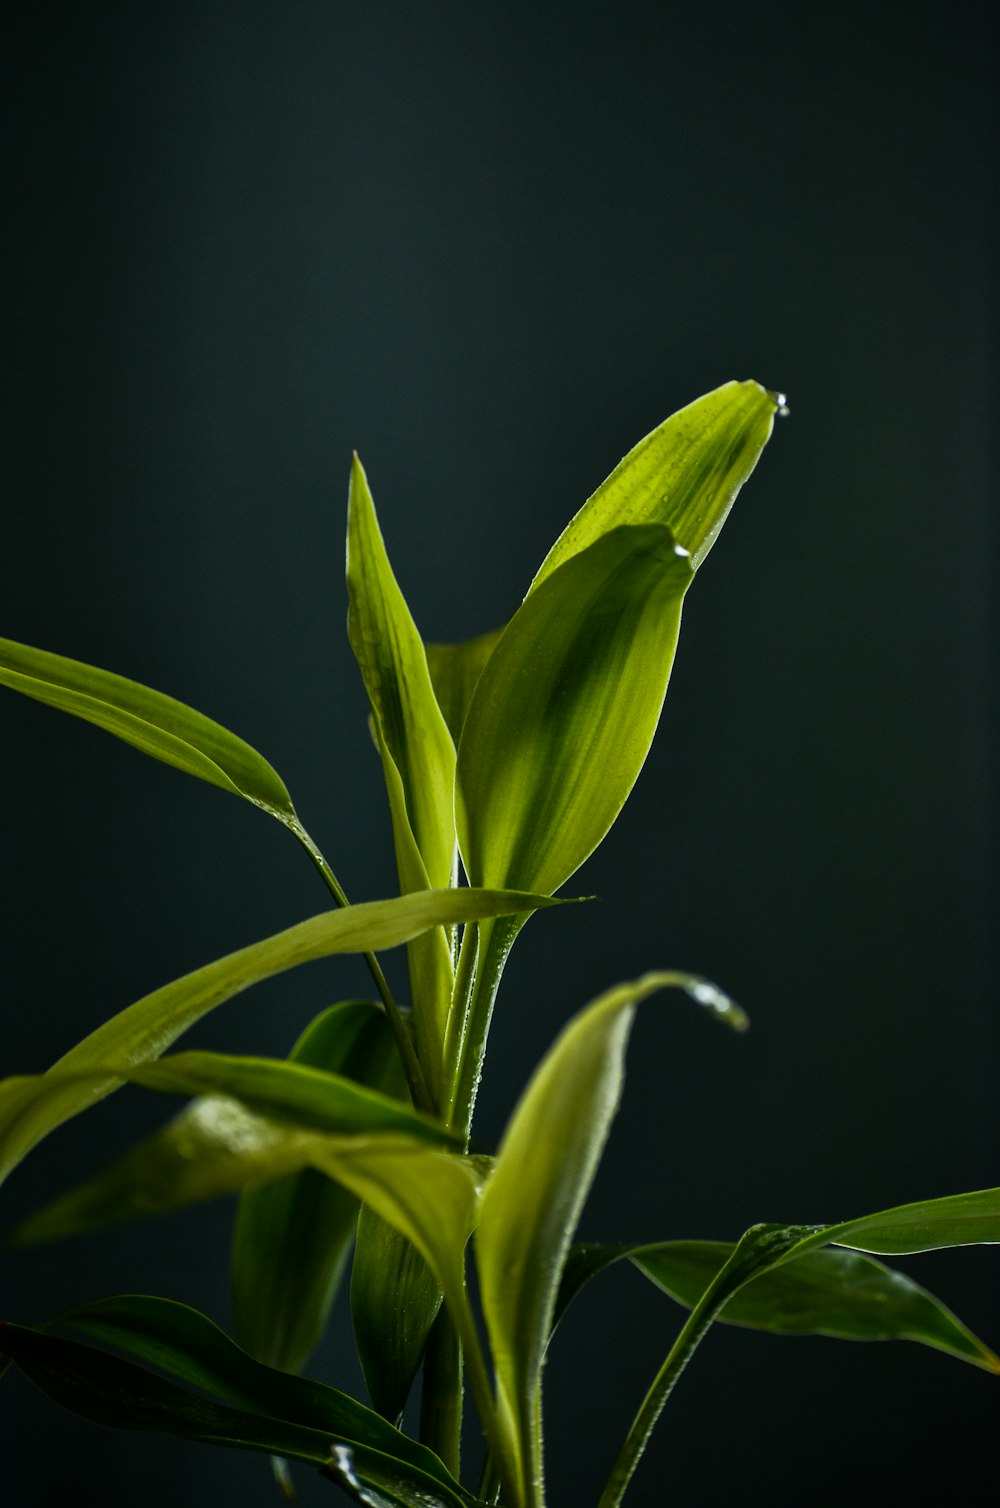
(482, 1390)
(411, 1063)
(758, 1249)
(458, 1011)
(495, 941)
(441, 1399)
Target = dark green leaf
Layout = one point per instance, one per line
(686, 474)
(156, 724)
(178, 1340)
(111, 1391)
(836, 1293)
(32, 1106)
(395, 1299)
(565, 710)
(292, 1236)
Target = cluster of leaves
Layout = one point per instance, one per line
(506, 761)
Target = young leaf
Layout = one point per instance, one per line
(544, 1169)
(292, 1237)
(418, 755)
(686, 474)
(32, 1106)
(150, 721)
(393, 663)
(455, 670)
(117, 1393)
(564, 712)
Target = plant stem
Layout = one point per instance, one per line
(652, 1405)
(411, 1063)
(496, 938)
(458, 1011)
(441, 1399)
(758, 1249)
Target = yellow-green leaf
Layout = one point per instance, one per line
(565, 710)
(455, 670)
(32, 1106)
(686, 474)
(417, 751)
(148, 720)
(530, 1208)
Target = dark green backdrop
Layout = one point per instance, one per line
(491, 245)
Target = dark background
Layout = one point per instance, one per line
(491, 246)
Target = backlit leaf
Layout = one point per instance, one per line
(418, 754)
(564, 712)
(455, 670)
(531, 1205)
(395, 1299)
(150, 721)
(686, 474)
(32, 1106)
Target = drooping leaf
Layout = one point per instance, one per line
(455, 670)
(150, 721)
(956, 1220)
(417, 751)
(564, 712)
(531, 1205)
(185, 1344)
(117, 1393)
(289, 1091)
(830, 1292)
(395, 1299)
(686, 474)
(292, 1236)
(32, 1106)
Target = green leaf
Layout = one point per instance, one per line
(530, 1208)
(418, 754)
(289, 1092)
(185, 1344)
(455, 670)
(148, 720)
(828, 1292)
(292, 1236)
(395, 1299)
(32, 1106)
(836, 1293)
(565, 710)
(686, 474)
(117, 1393)
(956, 1220)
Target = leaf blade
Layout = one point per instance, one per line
(33, 1106)
(685, 474)
(544, 1168)
(156, 724)
(291, 1237)
(115, 1392)
(564, 712)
